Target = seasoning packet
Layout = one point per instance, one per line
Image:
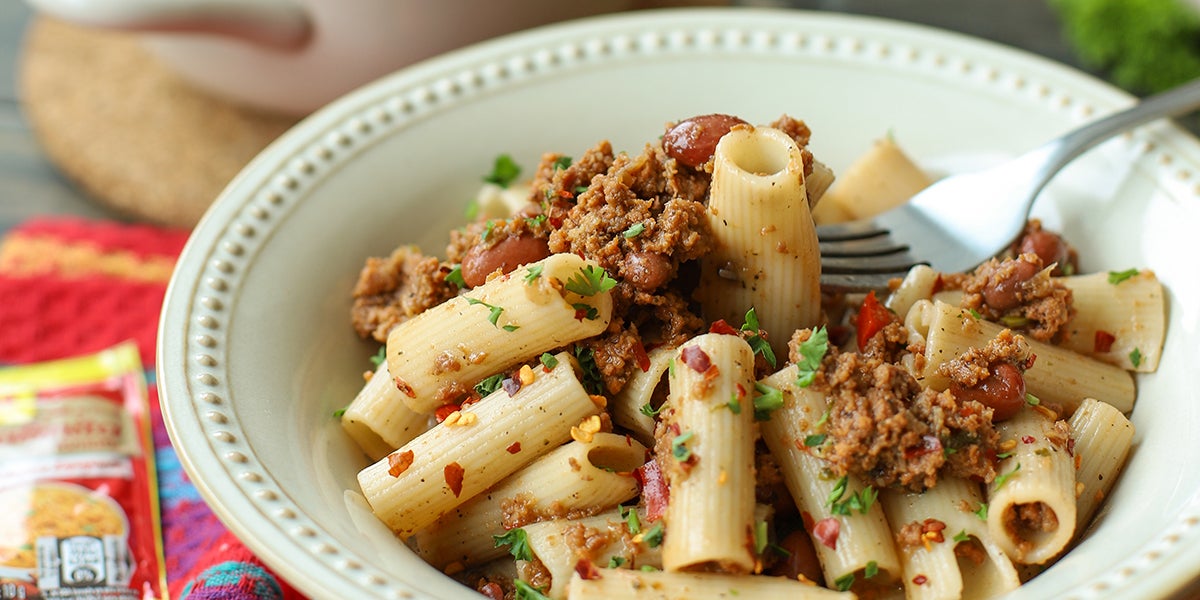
(79, 514)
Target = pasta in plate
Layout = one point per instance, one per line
(637, 389)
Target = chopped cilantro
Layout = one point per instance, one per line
(649, 410)
(535, 221)
(843, 505)
(1116, 277)
(589, 281)
(528, 592)
(1135, 358)
(586, 311)
(981, 512)
(757, 342)
(615, 562)
(337, 414)
(511, 327)
(493, 314)
(517, 542)
(839, 490)
(632, 522)
(562, 162)
(654, 536)
(871, 570)
(760, 536)
(975, 314)
(634, 230)
(961, 536)
(671, 367)
(844, 582)
(487, 230)
(504, 171)
(648, 568)
(768, 401)
(1003, 478)
(380, 356)
(734, 405)
(472, 210)
(534, 272)
(455, 277)
(1032, 400)
(679, 447)
(811, 352)
(490, 384)
(823, 420)
(592, 380)
(548, 360)
(815, 439)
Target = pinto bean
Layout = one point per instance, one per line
(801, 559)
(647, 270)
(1003, 390)
(692, 141)
(1049, 246)
(505, 256)
(1002, 294)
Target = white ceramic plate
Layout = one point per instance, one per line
(256, 351)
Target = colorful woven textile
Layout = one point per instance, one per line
(71, 287)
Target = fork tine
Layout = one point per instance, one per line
(856, 282)
(899, 262)
(850, 230)
(873, 246)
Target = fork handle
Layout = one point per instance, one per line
(1054, 155)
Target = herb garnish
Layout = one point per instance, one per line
(679, 448)
(981, 512)
(504, 171)
(517, 542)
(615, 562)
(760, 536)
(768, 401)
(589, 281)
(1002, 478)
(490, 384)
(654, 536)
(734, 405)
(961, 536)
(534, 272)
(811, 352)
(844, 582)
(756, 341)
(455, 277)
(634, 230)
(815, 439)
(1116, 277)
(494, 314)
(871, 570)
(592, 380)
(649, 410)
(632, 523)
(380, 357)
(561, 163)
(548, 360)
(528, 592)
(1135, 358)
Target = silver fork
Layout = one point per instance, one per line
(962, 220)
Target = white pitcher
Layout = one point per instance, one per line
(293, 56)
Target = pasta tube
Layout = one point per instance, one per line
(436, 356)
(1031, 504)
(767, 255)
(462, 456)
(1121, 321)
(582, 476)
(710, 417)
(378, 420)
(627, 405)
(1103, 438)
(560, 544)
(864, 537)
(881, 178)
(1058, 375)
(621, 584)
(945, 547)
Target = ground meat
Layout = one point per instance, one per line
(885, 428)
(521, 510)
(1020, 294)
(551, 182)
(391, 290)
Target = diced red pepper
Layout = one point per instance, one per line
(696, 358)
(722, 327)
(655, 493)
(872, 317)
(1103, 341)
(586, 569)
(444, 411)
(643, 360)
(453, 474)
(826, 531)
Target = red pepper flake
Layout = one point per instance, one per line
(454, 477)
(1028, 439)
(920, 580)
(1103, 341)
(399, 462)
(696, 358)
(581, 314)
(643, 360)
(826, 531)
(1029, 362)
(655, 492)
(586, 569)
(403, 386)
(722, 327)
(444, 411)
(511, 385)
(741, 391)
(872, 317)
(514, 448)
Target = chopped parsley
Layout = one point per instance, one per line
(1032, 400)
(760, 536)
(534, 272)
(337, 414)
(615, 562)
(634, 230)
(679, 447)
(648, 568)
(871, 570)
(548, 360)
(814, 440)
(843, 505)
(494, 314)
(811, 352)
(504, 171)
(592, 380)
(584, 310)
(528, 592)
(487, 230)
(844, 582)
(535, 221)
(1003, 478)
(517, 542)
(654, 536)
(380, 357)
(490, 384)
(961, 536)
(589, 281)
(649, 410)
(981, 512)
(1135, 358)
(1116, 277)
(768, 401)
(757, 342)
(734, 405)
(561, 163)
(632, 522)
(975, 314)
(455, 277)
(839, 490)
